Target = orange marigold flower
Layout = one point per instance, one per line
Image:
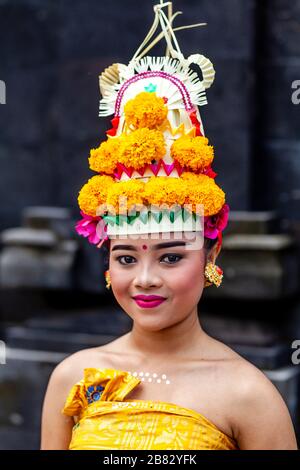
(193, 152)
(146, 110)
(203, 190)
(104, 158)
(94, 193)
(165, 190)
(140, 147)
(125, 195)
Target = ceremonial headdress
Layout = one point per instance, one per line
(154, 170)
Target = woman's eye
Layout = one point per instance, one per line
(126, 257)
(171, 257)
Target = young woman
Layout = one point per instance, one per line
(166, 384)
(222, 400)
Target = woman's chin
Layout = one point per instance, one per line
(150, 326)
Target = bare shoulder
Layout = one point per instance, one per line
(255, 410)
(260, 417)
(56, 426)
(71, 369)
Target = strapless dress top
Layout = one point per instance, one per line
(106, 421)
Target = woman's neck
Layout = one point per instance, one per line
(181, 340)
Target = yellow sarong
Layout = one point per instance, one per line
(106, 421)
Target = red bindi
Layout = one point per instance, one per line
(144, 247)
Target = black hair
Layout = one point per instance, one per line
(105, 248)
(209, 243)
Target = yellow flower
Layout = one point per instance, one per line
(94, 193)
(193, 152)
(104, 158)
(123, 196)
(145, 110)
(203, 190)
(140, 147)
(165, 190)
(126, 196)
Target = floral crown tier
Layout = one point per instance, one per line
(154, 170)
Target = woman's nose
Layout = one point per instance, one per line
(146, 278)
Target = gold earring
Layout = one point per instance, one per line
(107, 278)
(213, 274)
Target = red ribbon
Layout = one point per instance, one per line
(210, 172)
(220, 238)
(115, 123)
(195, 123)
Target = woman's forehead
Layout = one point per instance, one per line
(155, 241)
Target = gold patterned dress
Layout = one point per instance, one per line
(106, 421)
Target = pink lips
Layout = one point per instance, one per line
(148, 301)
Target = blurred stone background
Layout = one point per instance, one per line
(52, 295)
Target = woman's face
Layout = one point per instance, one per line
(148, 267)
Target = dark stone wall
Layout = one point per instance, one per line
(228, 41)
(51, 54)
(277, 151)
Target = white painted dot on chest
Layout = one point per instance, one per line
(149, 377)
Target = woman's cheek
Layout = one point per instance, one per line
(190, 282)
(121, 297)
(119, 284)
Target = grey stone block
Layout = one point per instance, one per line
(68, 333)
(104, 319)
(23, 382)
(255, 242)
(255, 223)
(39, 268)
(32, 237)
(58, 341)
(257, 267)
(265, 357)
(240, 331)
(56, 219)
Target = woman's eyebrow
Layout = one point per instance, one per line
(159, 246)
(124, 247)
